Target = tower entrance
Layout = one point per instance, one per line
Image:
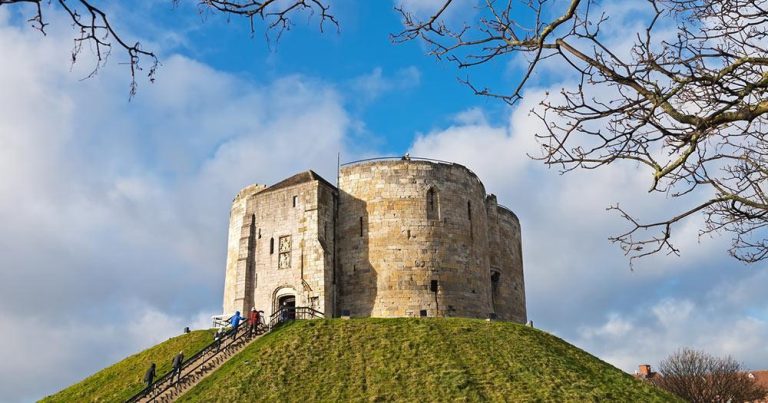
(289, 302)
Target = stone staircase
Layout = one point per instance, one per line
(166, 391)
(210, 358)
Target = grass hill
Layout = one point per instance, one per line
(417, 360)
(122, 380)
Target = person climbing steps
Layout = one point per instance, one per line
(149, 376)
(177, 361)
(235, 322)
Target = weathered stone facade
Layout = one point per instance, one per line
(397, 238)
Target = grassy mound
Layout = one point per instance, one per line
(417, 360)
(122, 380)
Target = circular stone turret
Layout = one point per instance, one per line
(413, 240)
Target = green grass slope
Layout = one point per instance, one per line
(417, 360)
(122, 380)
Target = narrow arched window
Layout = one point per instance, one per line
(495, 276)
(471, 225)
(469, 210)
(432, 204)
(271, 245)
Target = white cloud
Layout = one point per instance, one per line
(710, 324)
(486, 149)
(374, 84)
(56, 354)
(616, 326)
(580, 287)
(670, 311)
(106, 202)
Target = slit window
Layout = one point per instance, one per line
(495, 276)
(271, 245)
(432, 204)
(361, 226)
(469, 210)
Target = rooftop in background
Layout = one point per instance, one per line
(761, 378)
(299, 178)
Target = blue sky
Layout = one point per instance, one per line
(114, 212)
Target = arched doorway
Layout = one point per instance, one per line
(289, 303)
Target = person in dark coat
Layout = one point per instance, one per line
(253, 322)
(177, 361)
(218, 338)
(283, 312)
(235, 322)
(149, 376)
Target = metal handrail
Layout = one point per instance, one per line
(301, 312)
(216, 344)
(311, 311)
(402, 158)
(292, 313)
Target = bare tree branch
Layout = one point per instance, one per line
(689, 107)
(699, 377)
(93, 27)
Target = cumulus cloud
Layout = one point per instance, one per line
(712, 325)
(35, 342)
(115, 213)
(374, 84)
(578, 285)
(581, 288)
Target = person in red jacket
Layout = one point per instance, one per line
(253, 322)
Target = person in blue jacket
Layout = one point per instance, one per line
(235, 322)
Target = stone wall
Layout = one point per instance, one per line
(290, 256)
(506, 263)
(236, 295)
(404, 225)
(286, 249)
(398, 238)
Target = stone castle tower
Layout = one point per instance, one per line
(398, 237)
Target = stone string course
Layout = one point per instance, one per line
(397, 238)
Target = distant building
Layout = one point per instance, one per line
(761, 378)
(644, 372)
(398, 237)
